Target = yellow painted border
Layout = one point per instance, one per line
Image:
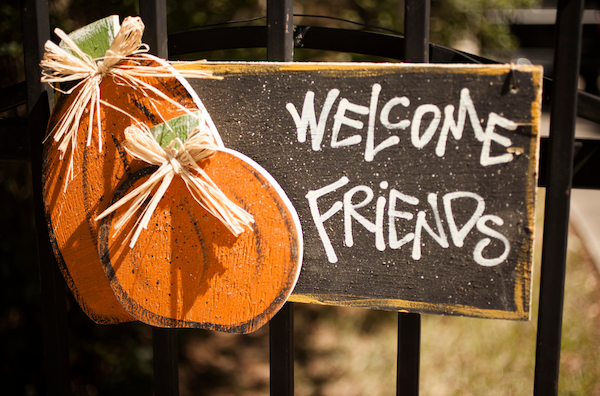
(350, 69)
(524, 266)
(406, 306)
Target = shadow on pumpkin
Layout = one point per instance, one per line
(55, 169)
(173, 263)
(195, 276)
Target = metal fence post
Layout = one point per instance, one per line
(416, 49)
(36, 31)
(166, 370)
(280, 30)
(154, 15)
(280, 47)
(164, 341)
(416, 30)
(560, 174)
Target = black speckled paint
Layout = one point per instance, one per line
(249, 110)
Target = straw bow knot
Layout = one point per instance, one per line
(183, 161)
(173, 161)
(102, 69)
(60, 66)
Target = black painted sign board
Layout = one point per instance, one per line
(414, 184)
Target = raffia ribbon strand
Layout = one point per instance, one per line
(59, 66)
(179, 158)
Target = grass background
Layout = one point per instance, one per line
(352, 351)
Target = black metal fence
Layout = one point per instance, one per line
(561, 153)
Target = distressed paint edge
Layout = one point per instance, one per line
(524, 267)
(406, 306)
(363, 68)
(536, 114)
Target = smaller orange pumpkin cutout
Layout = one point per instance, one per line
(187, 268)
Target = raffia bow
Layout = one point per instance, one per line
(182, 161)
(61, 66)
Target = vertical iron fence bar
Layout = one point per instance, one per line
(416, 49)
(36, 31)
(416, 30)
(154, 15)
(409, 342)
(281, 351)
(164, 341)
(166, 380)
(280, 30)
(280, 47)
(560, 173)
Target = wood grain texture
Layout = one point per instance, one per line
(70, 214)
(188, 270)
(251, 110)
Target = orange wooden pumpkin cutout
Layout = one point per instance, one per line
(96, 173)
(188, 270)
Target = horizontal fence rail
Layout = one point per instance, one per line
(587, 155)
(345, 40)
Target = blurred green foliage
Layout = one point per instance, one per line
(453, 21)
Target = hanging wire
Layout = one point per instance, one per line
(296, 15)
(351, 22)
(217, 24)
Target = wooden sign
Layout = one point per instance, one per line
(415, 185)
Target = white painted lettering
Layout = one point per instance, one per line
(458, 236)
(384, 117)
(484, 229)
(341, 119)
(393, 214)
(320, 219)
(493, 120)
(465, 107)
(422, 224)
(421, 141)
(350, 212)
(370, 149)
(308, 118)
